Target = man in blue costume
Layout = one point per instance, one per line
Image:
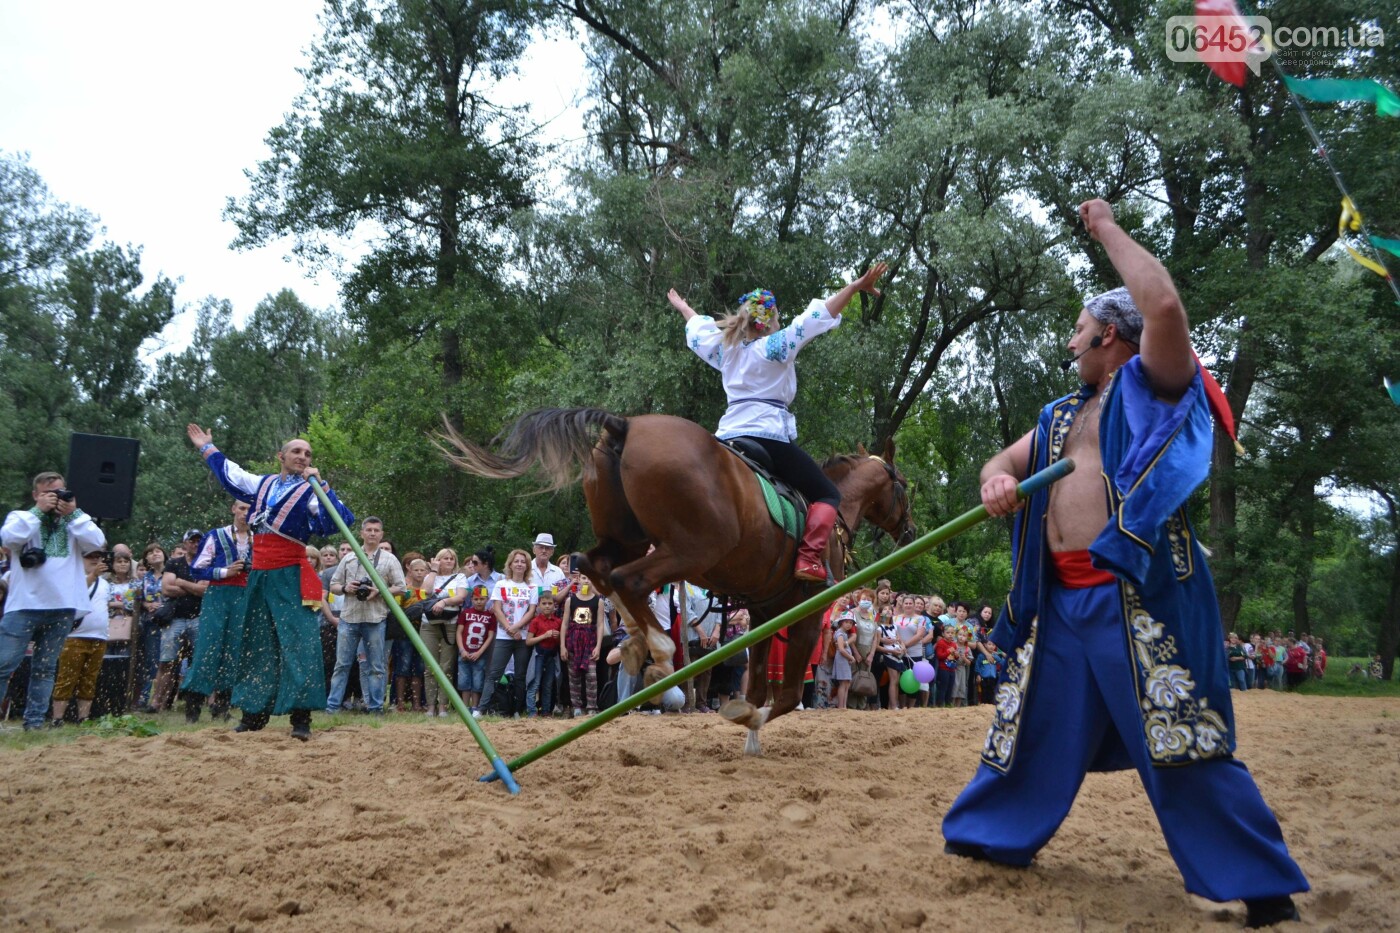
(1111, 630)
(223, 561)
(279, 668)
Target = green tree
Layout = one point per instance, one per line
(74, 323)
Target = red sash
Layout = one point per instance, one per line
(240, 580)
(1075, 572)
(273, 552)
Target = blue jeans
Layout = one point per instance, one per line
(407, 661)
(626, 683)
(1238, 680)
(348, 637)
(471, 675)
(48, 629)
(544, 674)
(170, 638)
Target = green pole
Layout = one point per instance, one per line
(952, 529)
(449, 689)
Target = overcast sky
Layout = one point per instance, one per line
(147, 114)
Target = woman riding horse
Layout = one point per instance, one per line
(759, 365)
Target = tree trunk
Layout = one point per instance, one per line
(1388, 638)
(1243, 370)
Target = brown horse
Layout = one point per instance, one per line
(668, 502)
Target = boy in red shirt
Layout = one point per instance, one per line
(544, 635)
(476, 629)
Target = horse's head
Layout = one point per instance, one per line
(878, 490)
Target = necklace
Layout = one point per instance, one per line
(1084, 416)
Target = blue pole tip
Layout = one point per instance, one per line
(504, 774)
(1393, 388)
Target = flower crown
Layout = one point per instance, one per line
(762, 308)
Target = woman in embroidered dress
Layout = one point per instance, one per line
(758, 363)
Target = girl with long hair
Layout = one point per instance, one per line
(513, 602)
(757, 361)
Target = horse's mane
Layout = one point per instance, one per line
(841, 464)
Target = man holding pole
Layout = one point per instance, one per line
(279, 669)
(1114, 649)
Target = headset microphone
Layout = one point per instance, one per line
(1093, 345)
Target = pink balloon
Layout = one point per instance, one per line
(923, 671)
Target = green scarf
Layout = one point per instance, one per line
(53, 532)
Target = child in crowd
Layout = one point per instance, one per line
(962, 675)
(583, 628)
(476, 630)
(989, 662)
(841, 665)
(945, 651)
(889, 659)
(544, 637)
(728, 677)
(81, 661)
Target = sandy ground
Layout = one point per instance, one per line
(652, 823)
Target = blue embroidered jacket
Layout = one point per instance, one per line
(288, 508)
(1154, 455)
(217, 550)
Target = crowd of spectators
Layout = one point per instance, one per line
(533, 638)
(1274, 661)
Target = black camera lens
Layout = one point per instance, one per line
(31, 557)
(65, 494)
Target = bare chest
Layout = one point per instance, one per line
(1078, 508)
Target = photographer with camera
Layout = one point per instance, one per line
(48, 586)
(362, 619)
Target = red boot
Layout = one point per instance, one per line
(811, 553)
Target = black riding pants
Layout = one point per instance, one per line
(794, 465)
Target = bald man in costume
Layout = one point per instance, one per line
(279, 669)
(1111, 630)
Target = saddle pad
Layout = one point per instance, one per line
(785, 514)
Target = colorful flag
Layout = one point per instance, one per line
(1331, 90)
(1390, 246)
(1226, 17)
(1350, 219)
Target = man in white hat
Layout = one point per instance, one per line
(543, 574)
(545, 578)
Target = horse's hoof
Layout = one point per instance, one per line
(751, 746)
(655, 673)
(737, 711)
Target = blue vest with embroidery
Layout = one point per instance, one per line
(1156, 454)
(284, 511)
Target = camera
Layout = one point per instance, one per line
(64, 495)
(364, 590)
(31, 557)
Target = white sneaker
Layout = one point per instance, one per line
(578, 713)
(429, 714)
(476, 714)
(443, 714)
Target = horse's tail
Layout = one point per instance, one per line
(556, 441)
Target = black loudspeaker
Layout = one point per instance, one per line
(102, 474)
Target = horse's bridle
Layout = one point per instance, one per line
(901, 494)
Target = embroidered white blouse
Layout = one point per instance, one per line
(760, 376)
